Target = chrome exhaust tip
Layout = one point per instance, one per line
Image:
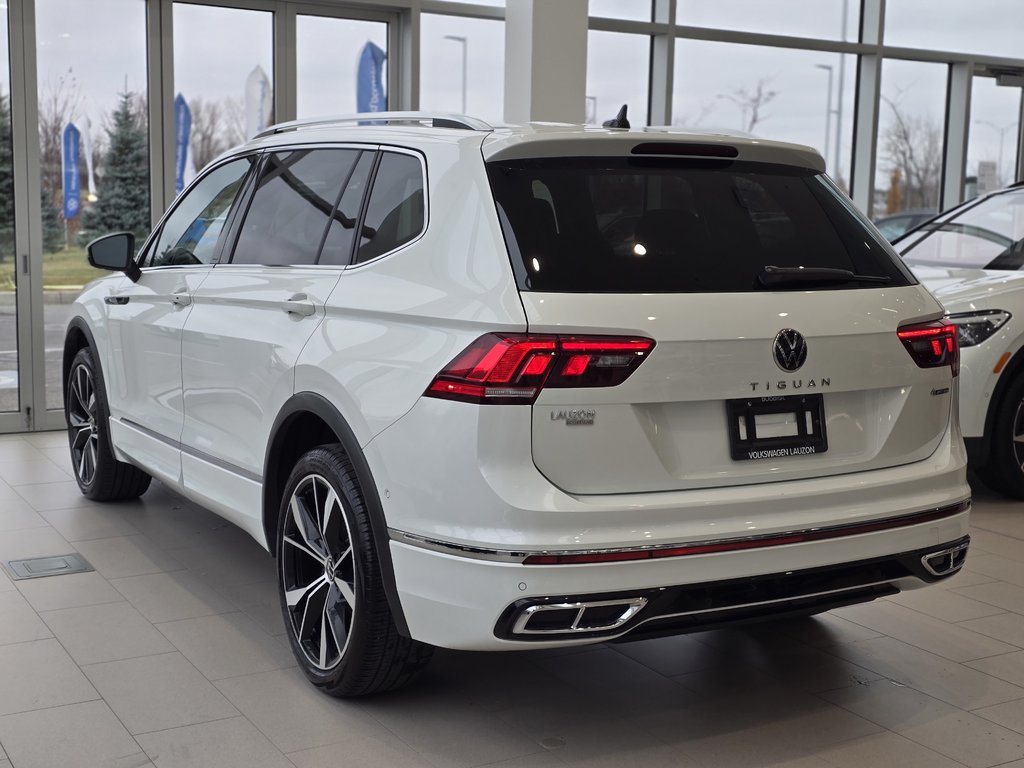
(946, 561)
(570, 618)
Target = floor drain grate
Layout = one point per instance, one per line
(55, 565)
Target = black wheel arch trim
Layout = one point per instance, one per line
(78, 323)
(1013, 369)
(274, 477)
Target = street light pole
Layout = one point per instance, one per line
(828, 113)
(1002, 135)
(461, 39)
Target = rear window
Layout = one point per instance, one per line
(657, 225)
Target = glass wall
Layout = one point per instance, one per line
(825, 19)
(92, 118)
(639, 10)
(9, 399)
(911, 120)
(462, 66)
(617, 74)
(992, 143)
(990, 27)
(774, 93)
(228, 88)
(328, 52)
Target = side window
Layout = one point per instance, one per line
(395, 214)
(338, 244)
(190, 234)
(294, 199)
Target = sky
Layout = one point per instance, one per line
(101, 44)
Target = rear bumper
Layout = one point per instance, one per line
(471, 603)
(454, 516)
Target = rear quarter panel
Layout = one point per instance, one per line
(391, 324)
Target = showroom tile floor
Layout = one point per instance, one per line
(171, 654)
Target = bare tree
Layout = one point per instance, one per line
(912, 144)
(752, 102)
(234, 121)
(208, 138)
(59, 102)
(699, 119)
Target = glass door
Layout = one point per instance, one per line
(15, 327)
(93, 160)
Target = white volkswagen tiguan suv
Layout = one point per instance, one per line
(523, 387)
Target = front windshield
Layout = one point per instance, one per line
(984, 235)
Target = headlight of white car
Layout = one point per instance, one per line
(974, 327)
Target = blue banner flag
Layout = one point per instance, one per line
(370, 96)
(72, 181)
(182, 131)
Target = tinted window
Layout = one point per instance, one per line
(394, 215)
(661, 225)
(191, 233)
(294, 199)
(985, 235)
(341, 234)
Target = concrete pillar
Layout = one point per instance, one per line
(545, 60)
(865, 125)
(958, 120)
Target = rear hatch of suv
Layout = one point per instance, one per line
(712, 320)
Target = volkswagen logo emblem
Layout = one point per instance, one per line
(790, 349)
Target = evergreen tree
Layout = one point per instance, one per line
(123, 189)
(6, 182)
(53, 223)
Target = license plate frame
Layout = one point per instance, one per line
(808, 412)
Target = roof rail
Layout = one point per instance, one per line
(436, 120)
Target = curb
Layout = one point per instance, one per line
(7, 298)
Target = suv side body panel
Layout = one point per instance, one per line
(393, 322)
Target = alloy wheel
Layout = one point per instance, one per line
(318, 572)
(1018, 435)
(82, 423)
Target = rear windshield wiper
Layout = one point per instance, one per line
(773, 276)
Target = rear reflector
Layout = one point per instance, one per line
(514, 368)
(753, 542)
(932, 345)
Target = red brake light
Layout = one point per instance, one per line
(514, 368)
(932, 345)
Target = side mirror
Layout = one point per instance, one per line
(115, 252)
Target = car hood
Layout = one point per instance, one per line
(965, 289)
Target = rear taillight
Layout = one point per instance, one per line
(932, 345)
(514, 368)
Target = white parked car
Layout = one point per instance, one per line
(524, 387)
(970, 258)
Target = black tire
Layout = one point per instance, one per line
(1004, 471)
(100, 476)
(329, 571)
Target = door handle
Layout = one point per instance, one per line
(300, 305)
(117, 299)
(181, 299)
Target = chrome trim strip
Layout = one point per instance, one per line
(518, 556)
(220, 463)
(734, 607)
